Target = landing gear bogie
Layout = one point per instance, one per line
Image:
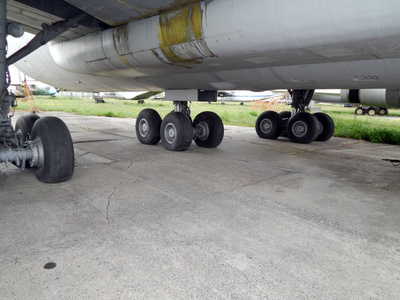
(371, 111)
(177, 130)
(298, 126)
(301, 128)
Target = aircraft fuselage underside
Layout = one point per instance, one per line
(232, 45)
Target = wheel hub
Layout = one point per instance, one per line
(170, 133)
(266, 125)
(143, 128)
(321, 127)
(37, 153)
(300, 129)
(202, 130)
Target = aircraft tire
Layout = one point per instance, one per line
(176, 132)
(360, 111)
(148, 124)
(285, 115)
(210, 128)
(383, 111)
(269, 125)
(56, 150)
(327, 127)
(371, 111)
(303, 128)
(25, 124)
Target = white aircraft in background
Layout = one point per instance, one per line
(367, 101)
(249, 96)
(140, 95)
(243, 96)
(191, 49)
(36, 87)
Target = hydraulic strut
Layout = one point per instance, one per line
(301, 99)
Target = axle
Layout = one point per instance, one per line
(17, 156)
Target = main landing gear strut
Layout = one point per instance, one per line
(177, 130)
(43, 144)
(298, 125)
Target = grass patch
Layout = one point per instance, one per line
(373, 129)
(378, 129)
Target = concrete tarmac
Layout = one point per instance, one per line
(252, 219)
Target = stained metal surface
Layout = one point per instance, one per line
(181, 36)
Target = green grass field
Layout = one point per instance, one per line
(378, 129)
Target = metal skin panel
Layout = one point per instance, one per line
(32, 14)
(234, 44)
(373, 97)
(120, 12)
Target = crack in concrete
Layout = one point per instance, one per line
(109, 202)
(82, 155)
(388, 185)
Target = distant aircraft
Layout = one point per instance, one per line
(192, 49)
(243, 96)
(45, 90)
(36, 87)
(367, 101)
(140, 95)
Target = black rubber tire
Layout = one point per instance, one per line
(371, 111)
(383, 111)
(176, 132)
(360, 111)
(327, 127)
(25, 124)
(303, 128)
(269, 125)
(214, 133)
(59, 159)
(148, 124)
(285, 116)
